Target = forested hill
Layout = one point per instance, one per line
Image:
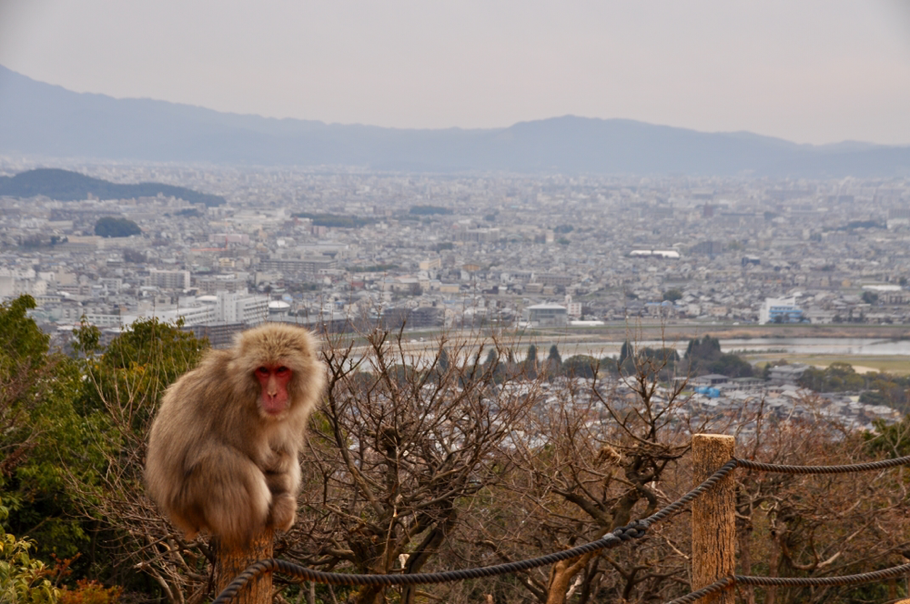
(64, 185)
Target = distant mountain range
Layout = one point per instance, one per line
(45, 120)
(64, 185)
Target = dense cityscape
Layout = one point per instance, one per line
(340, 249)
(333, 244)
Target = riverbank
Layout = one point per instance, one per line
(619, 332)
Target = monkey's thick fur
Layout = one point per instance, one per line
(217, 462)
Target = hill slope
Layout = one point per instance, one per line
(42, 119)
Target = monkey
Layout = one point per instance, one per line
(222, 451)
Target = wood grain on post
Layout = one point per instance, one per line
(231, 562)
(713, 517)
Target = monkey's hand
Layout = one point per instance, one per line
(282, 475)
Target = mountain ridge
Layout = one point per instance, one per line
(49, 120)
(66, 185)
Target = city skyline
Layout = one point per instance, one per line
(819, 72)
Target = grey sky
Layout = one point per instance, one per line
(814, 71)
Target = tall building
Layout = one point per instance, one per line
(169, 279)
(232, 307)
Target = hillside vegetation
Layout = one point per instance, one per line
(466, 458)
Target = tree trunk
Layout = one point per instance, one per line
(231, 562)
(713, 517)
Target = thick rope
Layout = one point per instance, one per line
(859, 467)
(633, 530)
(728, 582)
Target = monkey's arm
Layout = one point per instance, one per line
(282, 475)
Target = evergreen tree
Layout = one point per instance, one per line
(443, 362)
(554, 355)
(530, 365)
(625, 352)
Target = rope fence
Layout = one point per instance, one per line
(728, 582)
(629, 532)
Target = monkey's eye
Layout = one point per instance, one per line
(263, 371)
(282, 370)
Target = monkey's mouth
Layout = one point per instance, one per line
(274, 407)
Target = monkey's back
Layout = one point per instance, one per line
(199, 411)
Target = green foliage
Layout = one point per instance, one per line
(892, 440)
(20, 337)
(862, 224)
(873, 397)
(704, 356)
(23, 579)
(138, 366)
(625, 353)
(121, 388)
(554, 361)
(563, 241)
(581, 366)
(869, 297)
(530, 362)
(874, 388)
(668, 355)
(39, 432)
(108, 226)
(554, 355)
(425, 210)
(837, 377)
(731, 365)
(700, 353)
(492, 358)
(564, 228)
(373, 268)
(706, 348)
(672, 295)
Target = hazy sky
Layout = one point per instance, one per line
(814, 71)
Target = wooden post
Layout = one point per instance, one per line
(231, 562)
(713, 517)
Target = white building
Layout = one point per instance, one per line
(169, 279)
(241, 308)
(548, 315)
(780, 310)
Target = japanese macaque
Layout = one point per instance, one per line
(222, 455)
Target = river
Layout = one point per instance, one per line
(802, 346)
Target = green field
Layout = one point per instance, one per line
(893, 364)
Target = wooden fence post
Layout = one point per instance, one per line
(231, 562)
(713, 517)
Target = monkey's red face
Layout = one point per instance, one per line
(274, 382)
